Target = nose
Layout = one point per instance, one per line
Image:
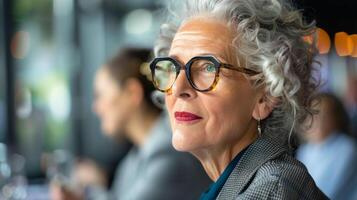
(182, 87)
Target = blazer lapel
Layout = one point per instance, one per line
(262, 150)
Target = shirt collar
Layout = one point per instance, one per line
(216, 187)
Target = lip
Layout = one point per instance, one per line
(186, 117)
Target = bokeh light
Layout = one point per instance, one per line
(343, 44)
(323, 41)
(138, 21)
(354, 41)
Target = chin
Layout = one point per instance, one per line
(183, 142)
(178, 146)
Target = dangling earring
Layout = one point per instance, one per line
(259, 128)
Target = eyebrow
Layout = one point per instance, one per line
(219, 57)
(176, 58)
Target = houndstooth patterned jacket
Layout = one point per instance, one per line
(268, 171)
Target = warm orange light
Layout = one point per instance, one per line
(354, 41)
(323, 41)
(343, 44)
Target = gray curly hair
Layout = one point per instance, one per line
(271, 42)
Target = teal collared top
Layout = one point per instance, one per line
(212, 192)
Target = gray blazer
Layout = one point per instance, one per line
(267, 171)
(157, 171)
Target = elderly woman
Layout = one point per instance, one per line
(236, 74)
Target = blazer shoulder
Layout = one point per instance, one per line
(287, 178)
(284, 167)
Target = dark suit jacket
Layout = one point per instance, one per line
(268, 171)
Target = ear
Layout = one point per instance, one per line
(263, 107)
(134, 91)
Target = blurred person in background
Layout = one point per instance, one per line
(329, 152)
(152, 170)
(351, 100)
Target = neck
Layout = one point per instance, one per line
(215, 159)
(139, 126)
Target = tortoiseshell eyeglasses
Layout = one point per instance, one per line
(202, 72)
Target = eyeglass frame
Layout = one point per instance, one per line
(187, 68)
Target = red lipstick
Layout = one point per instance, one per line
(186, 116)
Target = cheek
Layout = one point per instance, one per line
(115, 120)
(101, 105)
(229, 113)
(227, 119)
(169, 102)
(112, 110)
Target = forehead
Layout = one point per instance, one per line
(202, 36)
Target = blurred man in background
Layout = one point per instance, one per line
(329, 152)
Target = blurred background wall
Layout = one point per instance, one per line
(50, 49)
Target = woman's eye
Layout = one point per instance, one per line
(209, 68)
